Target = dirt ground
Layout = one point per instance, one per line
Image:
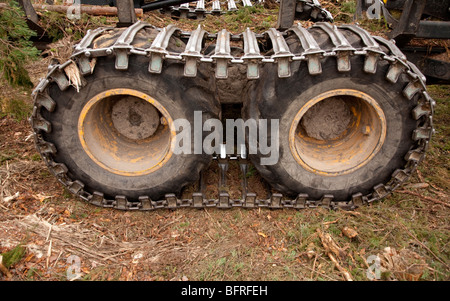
(47, 234)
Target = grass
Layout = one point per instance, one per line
(240, 244)
(57, 27)
(437, 170)
(280, 240)
(7, 155)
(18, 109)
(13, 256)
(343, 12)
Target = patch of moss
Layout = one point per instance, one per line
(13, 256)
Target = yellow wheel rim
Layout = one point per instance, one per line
(359, 137)
(114, 150)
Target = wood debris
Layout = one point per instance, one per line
(3, 269)
(11, 198)
(349, 232)
(404, 264)
(94, 10)
(426, 198)
(334, 252)
(310, 252)
(73, 74)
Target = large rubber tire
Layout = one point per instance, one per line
(179, 95)
(282, 98)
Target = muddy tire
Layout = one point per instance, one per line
(116, 135)
(340, 133)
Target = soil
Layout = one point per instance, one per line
(65, 238)
(134, 118)
(327, 119)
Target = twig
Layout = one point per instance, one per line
(115, 255)
(424, 246)
(3, 269)
(50, 227)
(331, 222)
(60, 253)
(424, 197)
(354, 213)
(157, 18)
(318, 272)
(11, 198)
(344, 272)
(49, 253)
(314, 265)
(214, 220)
(169, 223)
(330, 248)
(368, 267)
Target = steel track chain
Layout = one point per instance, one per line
(312, 9)
(252, 58)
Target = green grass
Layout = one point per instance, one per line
(7, 155)
(13, 256)
(262, 244)
(18, 109)
(57, 26)
(245, 17)
(35, 157)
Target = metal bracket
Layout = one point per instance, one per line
(123, 46)
(282, 54)
(222, 54)
(342, 47)
(192, 52)
(158, 48)
(312, 50)
(371, 47)
(251, 54)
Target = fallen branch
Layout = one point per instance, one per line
(329, 244)
(90, 10)
(94, 10)
(427, 198)
(341, 269)
(11, 198)
(332, 249)
(424, 246)
(331, 222)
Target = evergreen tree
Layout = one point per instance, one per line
(15, 45)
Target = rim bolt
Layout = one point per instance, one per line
(366, 130)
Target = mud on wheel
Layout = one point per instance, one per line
(116, 134)
(354, 116)
(348, 123)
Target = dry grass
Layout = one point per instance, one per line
(212, 244)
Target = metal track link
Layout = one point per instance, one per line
(375, 50)
(309, 9)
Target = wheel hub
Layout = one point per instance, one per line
(134, 118)
(337, 132)
(120, 130)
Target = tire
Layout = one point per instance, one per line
(305, 164)
(175, 97)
